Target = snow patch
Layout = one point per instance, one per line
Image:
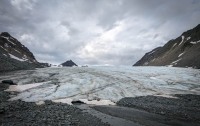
(12, 38)
(4, 48)
(195, 42)
(182, 40)
(86, 101)
(14, 57)
(98, 102)
(8, 40)
(146, 63)
(180, 54)
(40, 103)
(175, 62)
(188, 38)
(20, 88)
(151, 52)
(64, 100)
(6, 45)
(174, 45)
(153, 60)
(166, 96)
(169, 65)
(17, 51)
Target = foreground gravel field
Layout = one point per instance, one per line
(182, 106)
(19, 113)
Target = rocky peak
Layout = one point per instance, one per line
(69, 63)
(5, 34)
(11, 47)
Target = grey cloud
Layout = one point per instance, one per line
(116, 32)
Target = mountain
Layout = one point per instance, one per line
(183, 51)
(69, 63)
(14, 55)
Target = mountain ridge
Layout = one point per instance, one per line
(15, 56)
(184, 51)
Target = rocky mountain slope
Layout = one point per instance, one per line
(183, 51)
(68, 63)
(14, 55)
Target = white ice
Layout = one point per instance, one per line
(103, 85)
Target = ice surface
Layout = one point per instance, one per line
(103, 85)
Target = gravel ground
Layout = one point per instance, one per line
(183, 107)
(141, 117)
(21, 113)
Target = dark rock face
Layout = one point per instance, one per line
(14, 55)
(10, 46)
(69, 63)
(183, 51)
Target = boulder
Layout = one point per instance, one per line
(8, 82)
(77, 102)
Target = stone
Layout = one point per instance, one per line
(77, 102)
(8, 82)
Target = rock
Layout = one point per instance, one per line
(8, 82)
(2, 111)
(68, 63)
(77, 102)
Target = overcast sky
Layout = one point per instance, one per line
(114, 32)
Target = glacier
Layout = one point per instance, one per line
(101, 84)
